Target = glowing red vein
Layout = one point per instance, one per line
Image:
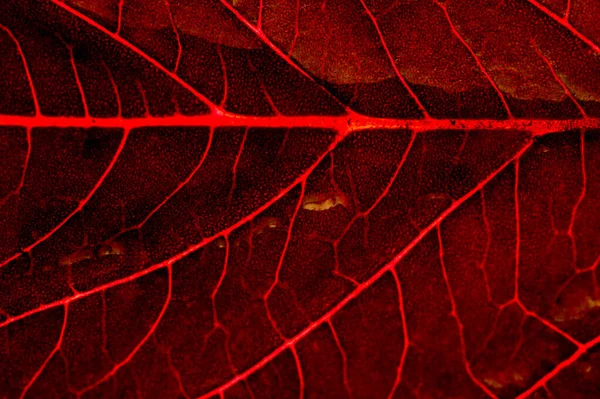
(36, 104)
(81, 204)
(258, 32)
(166, 263)
(564, 364)
(360, 288)
(139, 52)
(393, 63)
(342, 123)
(565, 23)
(479, 64)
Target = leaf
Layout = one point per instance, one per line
(281, 199)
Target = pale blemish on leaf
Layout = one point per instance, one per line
(76, 257)
(577, 311)
(323, 202)
(114, 248)
(506, 378)
(492, 383)
(266, 224)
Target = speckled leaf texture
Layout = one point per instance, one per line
(273, 199)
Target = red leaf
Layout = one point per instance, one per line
(297, 199)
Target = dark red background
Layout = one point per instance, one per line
(299, 199)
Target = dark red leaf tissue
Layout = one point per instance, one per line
(298, 199)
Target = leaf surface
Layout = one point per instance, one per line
(299, 199)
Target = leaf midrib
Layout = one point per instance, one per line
(344, 124)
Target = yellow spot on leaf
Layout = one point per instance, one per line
(220, 242)
(76, 257)
(323, 202)
(577, 311)
(266, 223)
(505, 378)
(112, 249)
(492, 383)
